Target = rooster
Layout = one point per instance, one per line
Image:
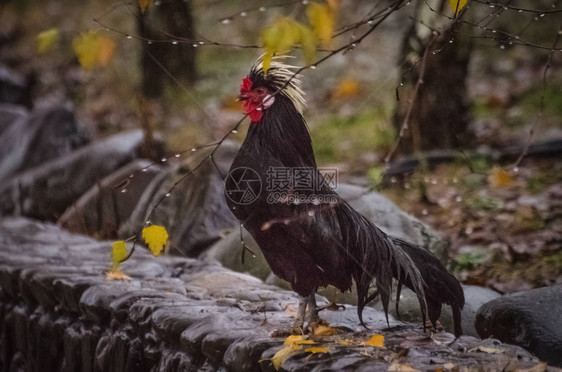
(314, 244)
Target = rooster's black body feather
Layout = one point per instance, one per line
(313, 245)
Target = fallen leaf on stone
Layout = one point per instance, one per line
(116, 275)
(156, 237)
(293, 344)
(375, 340)
(397, 367)
(448, 365)
(323, 330)
(345, 342)
(489, 350)
(118, 253)
(317, 349)
(298, 340)
(285, 353)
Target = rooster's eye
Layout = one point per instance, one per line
(261, 90)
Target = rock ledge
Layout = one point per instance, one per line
(59, 313)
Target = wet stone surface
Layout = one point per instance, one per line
(14, 88)
(102, 209)
(475, 297)
(34, 139)
(47, 190)
(531, 319)
(59, 313)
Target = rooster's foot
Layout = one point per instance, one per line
(307, 312)
(433, 328)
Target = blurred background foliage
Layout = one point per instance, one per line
(97, 55)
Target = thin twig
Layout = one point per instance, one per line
(541, 112)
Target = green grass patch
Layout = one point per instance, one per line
(470, 260)
(487, 203)
(345, 138)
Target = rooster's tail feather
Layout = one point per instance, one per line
(439, 286)
(386, 257)
(381, 260)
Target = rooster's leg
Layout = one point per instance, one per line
(301, 313)
(312, 310)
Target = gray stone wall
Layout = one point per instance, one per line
(59, 313)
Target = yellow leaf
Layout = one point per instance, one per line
(156, 237)
(322, 20)
(116, 275)
(297, 340)
(293, 344)
(323, 330)
(285, 353)
(345, 342)
(118, 253)
(266, 60)
(317, 349)
(500, 178)
(291, 33)
(46, 39)
(271, 37)
(93, 50)
(86, 48)
(346, 88)
(143, 5)
(279, 38)
(308, 42)
(457, 5)
(375, 340)
(282, 35)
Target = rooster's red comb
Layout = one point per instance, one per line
(246, 85)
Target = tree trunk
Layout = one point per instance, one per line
(167, 21)
(440, 113)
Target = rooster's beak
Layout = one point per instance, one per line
(242, 97)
